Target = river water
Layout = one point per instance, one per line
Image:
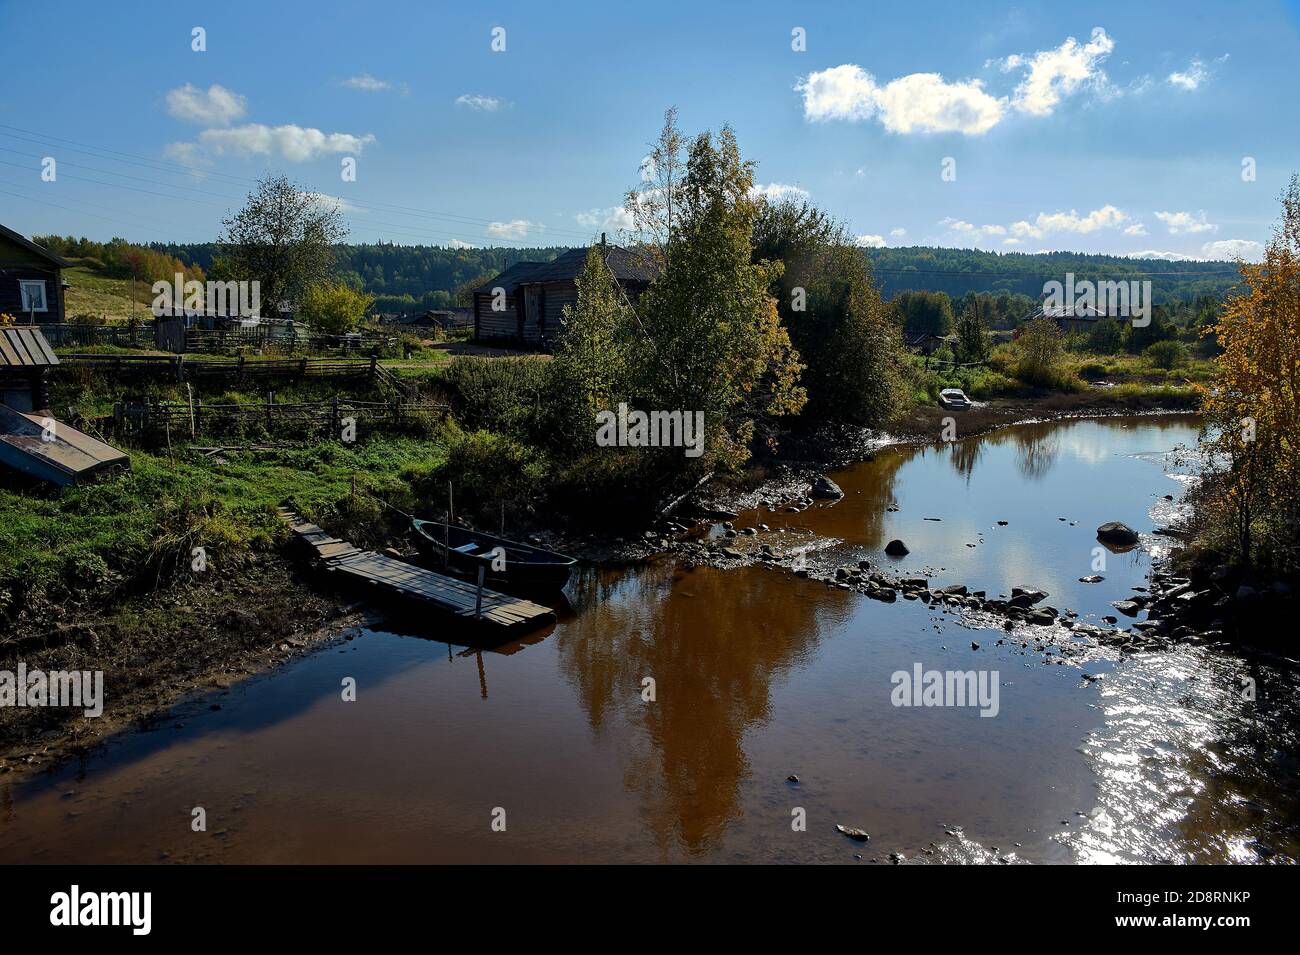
(758, 675)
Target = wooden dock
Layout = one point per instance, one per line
(380, 572)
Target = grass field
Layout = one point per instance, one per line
(98, 295)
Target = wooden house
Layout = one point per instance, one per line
(31, 280)
(524, 305)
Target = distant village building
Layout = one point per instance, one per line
(528, 308)
(31, 280)
(434, 319)
(1070, 318)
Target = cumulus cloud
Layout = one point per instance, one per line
(898, 233)
(337, 203)
(215, 106)
(1057, 73)
(187, 154)
(614, 217)
(1247, 249)
(367, 83)
(1180, 223)
(1156, 254)
(976, 233)
(1106, 217)
(458, 244)
(919, 102)
(514, 229)
(928, 103)
(289, 142)
(1136, 228)
(870, 241)
(776, 191)
(480, 103)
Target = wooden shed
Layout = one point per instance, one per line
(31, 441)
(524, 305)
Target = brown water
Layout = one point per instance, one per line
(759, 674)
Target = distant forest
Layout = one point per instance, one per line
(411, 277)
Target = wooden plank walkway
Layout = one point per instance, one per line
(407, 580)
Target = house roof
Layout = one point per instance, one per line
(628, 265)
(25, 347)
(31, 246)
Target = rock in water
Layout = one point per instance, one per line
(1113, 532)
(896, 548)
(857, 835)
(824, 487)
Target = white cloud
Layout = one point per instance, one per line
(975, 233)
(919, 102)
(514, 229)
(615, 217)
(1136, 228)
(1054, 74)
(1247, 249)
(367, 83)
(1180, 223)
(1189, 79)
(1154, 254)
(458, 244)
(333, 202)
(217, 106)
(898, 233)
(293, 143)
(870, 241)
(187, 154)
(776, 191)
(480, 103)
(1106, 217)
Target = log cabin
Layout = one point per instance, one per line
(31, 280)
(532, 296)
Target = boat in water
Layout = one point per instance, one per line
(526, 569)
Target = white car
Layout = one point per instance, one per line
(954, 398)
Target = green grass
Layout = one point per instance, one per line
(98, 295)
(129, 528)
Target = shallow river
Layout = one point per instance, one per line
(758, 675)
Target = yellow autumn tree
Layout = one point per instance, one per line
(1252, 487)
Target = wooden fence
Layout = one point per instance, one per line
(68, 335)
(180, 368)
(157, 421)
(269, 339)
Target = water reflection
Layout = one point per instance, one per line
(714, 661)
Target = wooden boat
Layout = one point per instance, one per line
(527, 568)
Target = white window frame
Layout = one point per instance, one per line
(25, 295)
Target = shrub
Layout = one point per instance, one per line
(1166, 354)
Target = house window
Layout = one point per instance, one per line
(33, 295)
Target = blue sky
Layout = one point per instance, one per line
(1095, 127)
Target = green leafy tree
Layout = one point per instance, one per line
(333, 308)
(1040, 351)
(827, 299)
(923, 312)
(709, 336)
(283, 238)
(972, 334)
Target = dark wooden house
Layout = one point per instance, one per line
(524, 305)
(31, 280)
